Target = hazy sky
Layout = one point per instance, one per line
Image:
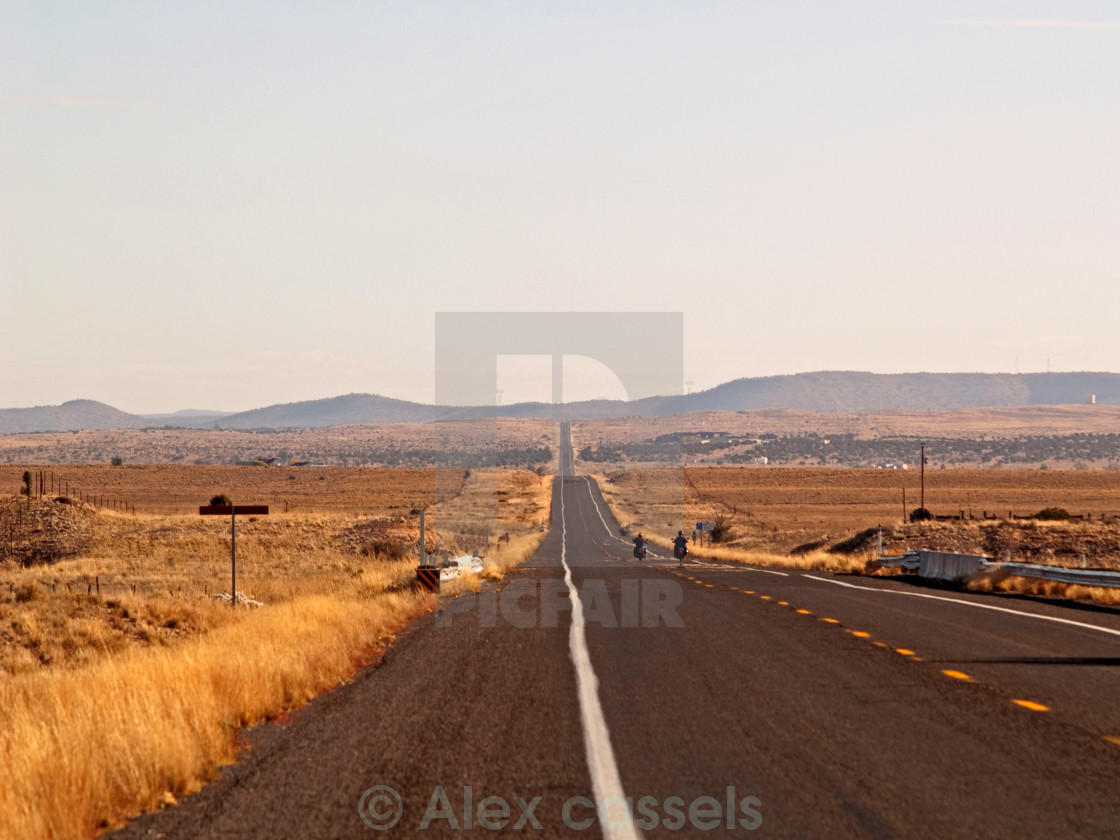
(230, 204)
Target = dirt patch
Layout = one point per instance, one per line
(43, 530)
(391, 539)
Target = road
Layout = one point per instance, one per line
(761, 703)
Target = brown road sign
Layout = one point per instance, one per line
(228, 510)
(231, 511)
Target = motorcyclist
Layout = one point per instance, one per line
(680, 546)
(639, 546)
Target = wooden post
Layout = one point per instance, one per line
(233, 554)
(923, 504)
(221, 510)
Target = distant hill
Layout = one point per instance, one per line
(834, 391)
(69, 417)
(351, 409)
(823, 391)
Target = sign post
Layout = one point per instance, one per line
(232, 510)
(702, 527)
(427, 575)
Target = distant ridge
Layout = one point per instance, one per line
(71, 416)
(822, 391)
(350, 409)
(832, 391)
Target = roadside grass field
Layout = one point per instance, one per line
(828, 518)
(180, 489)
(123, 680)
(831, 501)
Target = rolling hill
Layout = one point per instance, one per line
(823, 391)
(71, 416)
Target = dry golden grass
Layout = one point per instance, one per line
(110, 701)
(789, 516)
(147, 579)
(810, 560)
(779, 509)
(1047, 589)
(492, 504)
(84, 747)
(177, 489)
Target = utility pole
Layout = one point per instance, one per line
(923, 501)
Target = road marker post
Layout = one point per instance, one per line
(222, 510)
(426, 575)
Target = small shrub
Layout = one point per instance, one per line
(117, 461)
(385, 549)
(808, 548)
(1053, 514)
(220, 499)
(920, 515)
(721, 529)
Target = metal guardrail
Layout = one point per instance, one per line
(909, 560)
(949, 566)
(1085, 577)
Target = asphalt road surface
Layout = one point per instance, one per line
(595, 696)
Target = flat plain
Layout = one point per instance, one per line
(488, 442)
(789, 509)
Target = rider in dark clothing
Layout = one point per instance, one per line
(680, 545)
(639, 546)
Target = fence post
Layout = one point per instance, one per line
(233, 553)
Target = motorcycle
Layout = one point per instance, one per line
(640, 552)
(679, 552)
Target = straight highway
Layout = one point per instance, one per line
(590, 695)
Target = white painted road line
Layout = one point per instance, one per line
(606, 784)
(606, 527)
(738, 567)
(963, 603)
(766, 571)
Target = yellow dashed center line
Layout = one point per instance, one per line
(764, 597)
(860, 634)
(783, 603)
(804, 612)
(1030, 704)
(904, 651)
(830, 620)
(958, 675)
(1112, 739)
